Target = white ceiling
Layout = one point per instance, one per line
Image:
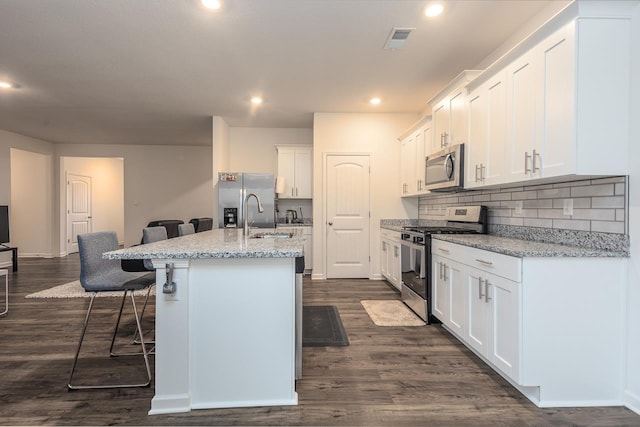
(155, 71)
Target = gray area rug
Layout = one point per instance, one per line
(75, 290)
(391, 313)
(322, 327)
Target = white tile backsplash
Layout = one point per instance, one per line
(599, 205)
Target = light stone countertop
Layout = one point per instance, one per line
(217, 243)
(525, 248)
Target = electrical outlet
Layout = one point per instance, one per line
(519, 204)
(568, 207)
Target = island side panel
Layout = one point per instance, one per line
(172, 392)
(242, 332)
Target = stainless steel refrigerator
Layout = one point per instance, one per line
(233, 187)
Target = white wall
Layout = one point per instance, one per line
(632, 389)
(252, 149)
(361, 133)
(160, 182)
(31, 206)
(107, 195)
(9, 140)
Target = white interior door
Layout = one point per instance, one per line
(78, 209)
(347, 211)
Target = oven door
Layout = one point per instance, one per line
(414, 268)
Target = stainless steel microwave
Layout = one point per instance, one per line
(444, 169)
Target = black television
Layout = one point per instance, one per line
(4, 224)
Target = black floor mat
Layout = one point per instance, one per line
(321, 327)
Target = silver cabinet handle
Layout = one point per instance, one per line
(482, 169)
(292, 192)
(487, 298)
(477, 167)
(444, 272)
(533, 161)
(480, 294)
(296, 191)
(443, 139)
(384, 246)
(446, 251)
(395, 251)
(484, 261)
(526, 162)
(440, 271)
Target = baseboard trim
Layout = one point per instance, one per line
(35, 255)
(631, 401)
(317, 276)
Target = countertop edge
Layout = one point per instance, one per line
(544, 250)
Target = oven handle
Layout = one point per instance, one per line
(412, 245)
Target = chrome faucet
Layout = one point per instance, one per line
(245, 212)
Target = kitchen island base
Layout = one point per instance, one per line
(226, 338)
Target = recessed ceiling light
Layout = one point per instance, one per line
(211, 4)
(7, 85)
(433, 10)
(375, 101)
(256, 100)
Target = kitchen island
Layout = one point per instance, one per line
(226, 336)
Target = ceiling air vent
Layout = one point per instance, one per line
(397, 38)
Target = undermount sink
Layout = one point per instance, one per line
(272, 235)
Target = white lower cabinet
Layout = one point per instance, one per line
(448, 294)
(390, 258)
(307, 232)
(551, 326)
(493, 319)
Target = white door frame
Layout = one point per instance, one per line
(325, 156)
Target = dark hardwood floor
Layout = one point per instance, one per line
(387, 376)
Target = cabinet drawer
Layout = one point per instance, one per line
(389, 235)
(492, 262)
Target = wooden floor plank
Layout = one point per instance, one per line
(387, 376)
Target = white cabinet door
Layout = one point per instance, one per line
(494, 169)
(458, 295)
(384, 260)
(418, 161)
(555, 155)
(476, 149)
(441, 299)
(427, 141)
(477, 328)
(440, 126)
(308, 248)
(294, 164)
(407, 165)
(503, 299)
(287, 169)
(303, 166)
(396, 267)
(457, 118)
(522, 127)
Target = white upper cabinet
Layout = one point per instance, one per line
(565, 94)
(522, 83)
(295, 165)
(486, 150)
(449, 111)
(414, 144)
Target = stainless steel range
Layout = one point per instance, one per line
(416, 254)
